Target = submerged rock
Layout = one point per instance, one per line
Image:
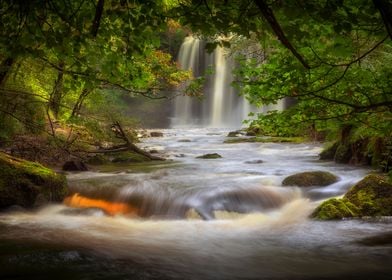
(27, 184)
(210, 156)
(372, 196)
(310, 178)
(156, 134)
(256, 161)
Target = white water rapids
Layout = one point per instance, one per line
(275, 243)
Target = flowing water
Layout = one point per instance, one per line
(191, 218)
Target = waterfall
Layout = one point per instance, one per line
(221, 106)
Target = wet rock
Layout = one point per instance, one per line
(343, 154)
(74, 165)
(377, 240)
(310, 178)
(210, 156)
(250, 133)
(235, 133)
(184, 140)
(329, 152)
(256, 161)
(156, 134)
(153, 151)
(25, 183)
(372, 196)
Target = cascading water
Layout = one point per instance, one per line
(221, 105)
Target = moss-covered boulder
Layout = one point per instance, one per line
(210, 156)
(372, 196)
(335, 209)
(28, 184)
(310, 178)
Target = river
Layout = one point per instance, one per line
(226, 218)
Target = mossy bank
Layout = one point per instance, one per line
(28, 184)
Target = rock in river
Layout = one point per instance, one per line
(310, 178)
(28, 184)
(372, 196)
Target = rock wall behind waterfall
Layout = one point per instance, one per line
(221, 106)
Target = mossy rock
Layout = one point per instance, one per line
(235, 133)
(310, 178)
(343, 154)
(129, 157)
(335, 209)
(372, 196)
(210, 156)
(28, 184)
(329, 151)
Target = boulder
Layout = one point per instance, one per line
(235, 133)
(184, 140)
(156, 134)
(310, 178)
(210, 156)
(372, 196)
(74, 165)
(343, 154)
(28, 184)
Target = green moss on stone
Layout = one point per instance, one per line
(22, 182)
(372, 196)
(334, 209)
(310, 178)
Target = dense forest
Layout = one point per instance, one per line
(68, 67)
(82, 81)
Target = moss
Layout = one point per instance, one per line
(265, 140)
(311, 178)
(372, 196)
(210, 156)
(129, 157)
(22, 182)
(334, 209)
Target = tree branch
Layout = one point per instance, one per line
(269, 16)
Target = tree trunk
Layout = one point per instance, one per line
(57, 93)
(385, 8)
(78, 105)
(5, 67)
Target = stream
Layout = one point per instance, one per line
(225, 218)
